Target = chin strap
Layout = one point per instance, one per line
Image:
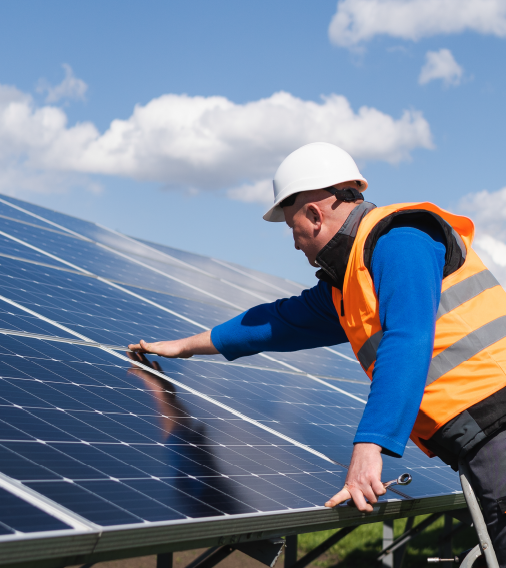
(347, 194)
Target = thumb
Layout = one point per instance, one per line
(340, 497)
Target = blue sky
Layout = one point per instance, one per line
(174, 170)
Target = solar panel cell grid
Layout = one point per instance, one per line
(225, 273)
(106, 263)
(119, 444)
(94, 309)
(236, 274)
(88, 305)
(304, 425)
(308, 359)
(18, 516)
(70, 426)
(232, 272)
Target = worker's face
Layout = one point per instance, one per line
(315, 218)
(306, 224)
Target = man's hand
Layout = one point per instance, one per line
(200, 344)
(363, 480)
(163, 348)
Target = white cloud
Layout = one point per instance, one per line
(200, 143)
(488, 211)
(440, 65)
(357, 21)
(70, 88)
(259, 192)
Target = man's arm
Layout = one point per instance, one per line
(407, 271)
(289, 324)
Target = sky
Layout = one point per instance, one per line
(167, 120)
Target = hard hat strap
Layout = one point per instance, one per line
(347, 194)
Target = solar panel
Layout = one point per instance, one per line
(18, 516)
(100, 443)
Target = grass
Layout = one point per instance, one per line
(361, 547)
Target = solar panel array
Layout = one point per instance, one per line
(89, 437)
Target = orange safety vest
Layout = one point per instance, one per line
(469, 357)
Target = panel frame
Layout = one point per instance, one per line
(64, 548)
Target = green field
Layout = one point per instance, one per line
(361, 547)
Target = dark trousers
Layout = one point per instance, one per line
(488, 470)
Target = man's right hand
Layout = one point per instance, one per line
(200, 344)
(363, 482)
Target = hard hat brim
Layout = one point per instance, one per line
(275, 214)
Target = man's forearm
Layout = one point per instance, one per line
(200, 344)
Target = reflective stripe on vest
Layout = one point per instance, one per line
(467, 347)
(464, 291)
(452, 298)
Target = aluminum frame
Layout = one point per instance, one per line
(61, 548)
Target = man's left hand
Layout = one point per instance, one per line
(363, 480)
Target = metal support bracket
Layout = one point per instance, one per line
(211, 557)
(164, 560)
(265, 551)
(479, 522)
(471, 557)
(407, 536)
(291, 550)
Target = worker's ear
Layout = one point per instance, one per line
(315, 215)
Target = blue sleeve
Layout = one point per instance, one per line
(407, 269)
(300, 322)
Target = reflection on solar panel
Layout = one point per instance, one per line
(102, 454)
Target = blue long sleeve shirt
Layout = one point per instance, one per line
(407, 271)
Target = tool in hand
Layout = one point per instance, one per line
(403, 479)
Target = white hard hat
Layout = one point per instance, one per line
(313, 166)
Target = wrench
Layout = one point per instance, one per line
(404, 479)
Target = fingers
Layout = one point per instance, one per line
(378, 487)
(363, 498)
(163, 348)
(349, 493)
(340, 497)
(360, 502)
(147, 347)
(138, 346)
(142, 347)
(363, 481)
(368, 493)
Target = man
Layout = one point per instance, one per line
(425, 318)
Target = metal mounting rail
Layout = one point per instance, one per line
(485, 542)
